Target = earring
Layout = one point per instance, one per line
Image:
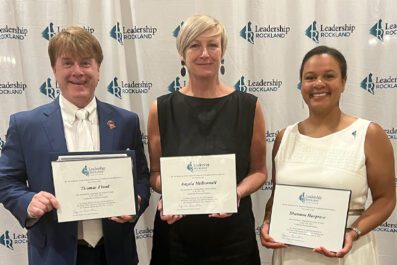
(222, 67)
(183, 69)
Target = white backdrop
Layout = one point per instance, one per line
(267, 40)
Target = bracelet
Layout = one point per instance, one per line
(358, 231)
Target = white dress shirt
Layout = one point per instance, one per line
(68, 111)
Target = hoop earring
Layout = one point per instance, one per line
(222, 67)
(183, 69)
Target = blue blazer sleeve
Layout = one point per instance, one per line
(14, 192)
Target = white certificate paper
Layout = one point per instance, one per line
(199, 184)
(309, 217)
(93, 188)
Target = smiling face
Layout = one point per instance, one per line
(203, 55)
(322, 83)
(77, 78)
(75, 56)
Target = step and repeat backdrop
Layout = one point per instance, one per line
(267, 40)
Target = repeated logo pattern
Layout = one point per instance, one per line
(13, 33)
(48, 90)
(121, 33)
(373, 83)
(252, 32)
(118, 87)
(383, 31)
(258, 86)
(316, 31)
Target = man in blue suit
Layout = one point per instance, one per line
(26, 184)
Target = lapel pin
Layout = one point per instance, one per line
(111, 124)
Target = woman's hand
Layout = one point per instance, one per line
(350, 236)
(224, 215)
(266, 240)
(220, 215)
(170, 219)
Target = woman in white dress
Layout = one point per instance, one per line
(332, 149)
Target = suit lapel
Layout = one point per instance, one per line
(53, 126)
(106, 129)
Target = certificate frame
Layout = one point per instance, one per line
(309, 216)
(70, 212)
(201, 184)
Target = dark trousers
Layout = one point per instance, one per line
(91, 256)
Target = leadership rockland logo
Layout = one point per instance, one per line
(268, 186)
(271, 136)
(85, 171)
(258, 86)
(309, 198)
(317, 31)
(93, 171)
(143, 233)
(6, 240)
(176, 84)
(48, 90)
(387, 227)
(251, 32)
(51, 30)
(175, 33)
(121, 33)
(118, 87)
(299, 85)
(391, 133)
(8, 32)
(197, 166)
(383, 30)
(371, 83)
(10, 240)
(12, 88)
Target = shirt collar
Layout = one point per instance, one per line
(68, 110)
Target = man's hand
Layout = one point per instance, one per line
(41, 203)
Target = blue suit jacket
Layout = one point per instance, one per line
(25, 169)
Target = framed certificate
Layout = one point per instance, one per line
(309, 217)
(92, 185)
(198, 184)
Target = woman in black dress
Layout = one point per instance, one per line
(207, 117)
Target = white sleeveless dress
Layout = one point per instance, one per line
(333, 161)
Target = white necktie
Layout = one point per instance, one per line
(83, 132)
(89, 230)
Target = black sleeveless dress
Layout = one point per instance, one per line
(201, 126)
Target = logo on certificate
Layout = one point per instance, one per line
(190, 167)
(311, 199)
(85, 171)
(195, 167)
(93, 171)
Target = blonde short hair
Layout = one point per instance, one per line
(77, 42)
(196, 25)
